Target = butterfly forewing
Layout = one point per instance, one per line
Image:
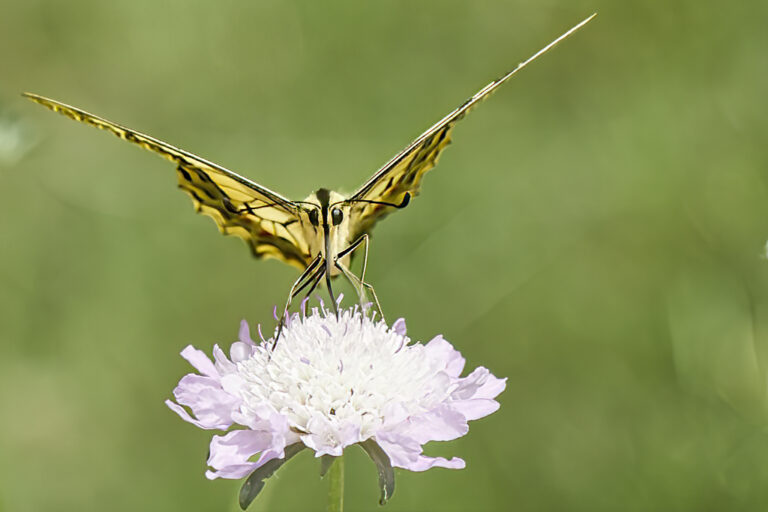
(268, 222)
(269, 229)
(403, 173)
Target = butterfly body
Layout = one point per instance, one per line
(327, 231)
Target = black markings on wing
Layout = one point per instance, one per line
(404, 172)
(267, 229)
(268, 222)
(400, 177)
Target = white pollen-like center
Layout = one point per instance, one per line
(349, 372)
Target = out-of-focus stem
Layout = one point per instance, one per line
(336, 486)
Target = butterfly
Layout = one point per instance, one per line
(319, 234)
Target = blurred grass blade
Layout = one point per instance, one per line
(712, 327)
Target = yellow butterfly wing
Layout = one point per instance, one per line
(268, 222)
(403, 173)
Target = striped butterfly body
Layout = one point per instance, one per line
(319, 234)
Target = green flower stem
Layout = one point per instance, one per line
(336, 486)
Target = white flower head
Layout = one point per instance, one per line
(331, 382)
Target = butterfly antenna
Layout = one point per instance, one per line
(401, 204)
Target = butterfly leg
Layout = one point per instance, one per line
(304, 279)
(354, 281)
(315, 280)
(300, 283)
(366, 241)
(361, 283)
(318, 278)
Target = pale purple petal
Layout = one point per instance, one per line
(423, 463)
(407, 454)
(244, 335)
(326, 438)
(442, 423)
(440, 350)
(479, 384)
(349, 433)
(233, 384)
(245, 347)
(182, 412)
(475, 408)
(240, 351)
(399, 326)
(261, 417)
(401, 450)
(237, 447)
(211, 406)
(269, 454)
(230, 454)
(223, 365)
(393, 413)
(233, 472)
(200, 361)
(491, 387)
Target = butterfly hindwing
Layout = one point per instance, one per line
(268, 222)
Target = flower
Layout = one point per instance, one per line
(331, 382)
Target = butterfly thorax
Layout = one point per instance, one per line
(326, 225)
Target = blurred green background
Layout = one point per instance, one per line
(596, 234)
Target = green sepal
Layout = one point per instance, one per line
(255, 481)
(326, 461)
(383, 467)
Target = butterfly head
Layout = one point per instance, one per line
(325, 222)
(333, 215)
(331, 221)
(328, 215)
(327, 209)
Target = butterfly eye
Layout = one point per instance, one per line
(337, 216)
(313, 217)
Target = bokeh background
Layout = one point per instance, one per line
(596, 234)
